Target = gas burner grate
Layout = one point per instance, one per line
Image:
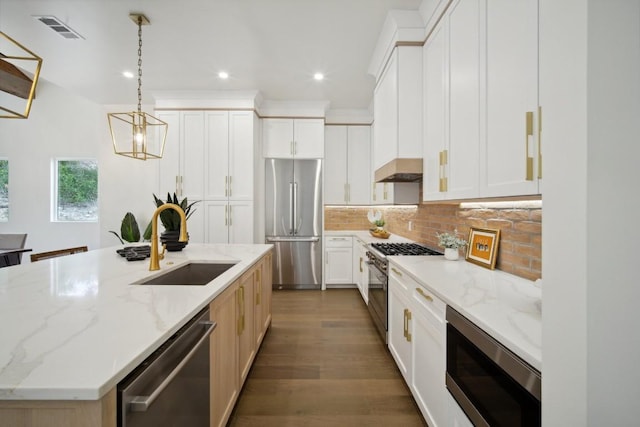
(393, 249)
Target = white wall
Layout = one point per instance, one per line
(590, 96)
(64, 125)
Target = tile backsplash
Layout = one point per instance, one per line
(520, 247)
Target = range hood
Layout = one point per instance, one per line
(400, 170)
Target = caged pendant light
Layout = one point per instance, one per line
(137, 134)
(19, 73)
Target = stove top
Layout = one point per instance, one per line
(394, 249)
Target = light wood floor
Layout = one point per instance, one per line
(323, 364)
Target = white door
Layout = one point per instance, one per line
(358, 149)
(241, 155)
(217, 155)
(510, 165)
(192, 160)
(308, 137)
(335, 165)
(216, 221)
(338, 265)
(277, 138)
(169, 165)
(240, 221)
(399, 332)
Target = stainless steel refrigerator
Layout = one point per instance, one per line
(293, 222)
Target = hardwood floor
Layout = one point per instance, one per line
(323, 364)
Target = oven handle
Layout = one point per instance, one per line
(142, 403)
(382, 277)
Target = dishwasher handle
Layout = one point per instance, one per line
(142, 403)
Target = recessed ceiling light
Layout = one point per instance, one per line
(127, 74)
(318, 76)
(223, 75)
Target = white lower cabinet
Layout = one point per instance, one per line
(228, 221)
(360, 269)
(338, 254)
(417, 336)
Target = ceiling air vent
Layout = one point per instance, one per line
(59, 27)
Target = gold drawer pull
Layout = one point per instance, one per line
(396, 271)
(427, 297)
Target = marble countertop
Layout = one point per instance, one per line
(507, 307)
(74, 326)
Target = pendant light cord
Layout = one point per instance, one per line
(139, 64)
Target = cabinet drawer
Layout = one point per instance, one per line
(338, 242)
(429, 301)
(403, 279)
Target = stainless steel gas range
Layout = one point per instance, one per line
(377, 254)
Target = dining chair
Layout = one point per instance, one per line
(11, 241)
(58, 253)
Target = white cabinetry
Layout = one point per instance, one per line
(209, 158)
(455, 415)
(360, 269)
(338, 254)
(512, 154)
(451, 107)
(398, 107)
(417, 331)
(347, 160)
(299, 138)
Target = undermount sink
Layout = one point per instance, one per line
(192, 274)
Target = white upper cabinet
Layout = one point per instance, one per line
(398, 107)
(229, 155)
(481, 117)
(299, 138)
(347, 160)
(511, 153)
(452, 104)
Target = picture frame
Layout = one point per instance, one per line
(483, 247)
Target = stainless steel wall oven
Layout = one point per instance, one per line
(492, 385)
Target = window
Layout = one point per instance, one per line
(4, 190)
(76, 190)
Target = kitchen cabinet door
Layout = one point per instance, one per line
(358, 156)
(455, 415)
(429, 362)
(452, 104)
(225, 385)
(228, 221)
(293, 138)
(192, 158)
(169, 164)
(217, 155)
(240, 181)
(360, 269)
(338, 260)
(246, 323)
(262, 298)
(511, 160)
(335, 165)
(399, 328)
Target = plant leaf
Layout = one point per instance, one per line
(147, 232)
(129, 228)
(116, 234)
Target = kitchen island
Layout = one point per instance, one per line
(73, 327)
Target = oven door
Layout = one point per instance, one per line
(492, 385)
(378, 299)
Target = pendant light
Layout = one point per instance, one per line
(16, 84)
(137, 134)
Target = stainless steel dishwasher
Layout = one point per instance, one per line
(171, 387)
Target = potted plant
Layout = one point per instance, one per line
(171, 221)
(451, 244)
(130, 231)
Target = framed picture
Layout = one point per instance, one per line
(483, 247)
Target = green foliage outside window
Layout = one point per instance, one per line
(77, 190)
(4, 190)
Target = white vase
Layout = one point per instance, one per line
(451, 254)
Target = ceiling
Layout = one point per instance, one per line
(274, 46)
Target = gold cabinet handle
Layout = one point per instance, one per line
(528, 135)
(396, 271)
(230, 215)
(404, 323)
(360, 264)
(226, 186)
(408, 317)
(226, 215)
(539, 142)
(230, 185)
(443, 161)
(427, 297)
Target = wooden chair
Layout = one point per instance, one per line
(58, 253)
(11, 241)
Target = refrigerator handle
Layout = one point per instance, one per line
(295, 208)
(291, 208)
